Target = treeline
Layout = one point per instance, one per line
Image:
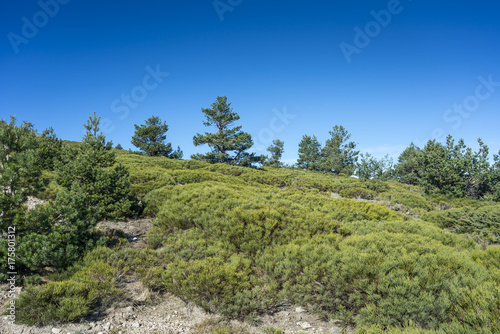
(451, 169)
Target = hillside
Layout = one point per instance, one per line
(244, 243)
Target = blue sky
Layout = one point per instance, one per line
(391, 72)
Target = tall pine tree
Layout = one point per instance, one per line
(20, 170)
(150, 138)
(339, 155)
(86, 168)
(228, 144)
(309, 153)
(276, 150)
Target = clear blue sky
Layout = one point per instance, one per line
(394, 83)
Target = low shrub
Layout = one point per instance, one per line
(68, 300)
(411, 201)
(358, 192)
(482, 222)
(387, 279)
(144, 180)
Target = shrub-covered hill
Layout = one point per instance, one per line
(242, 242)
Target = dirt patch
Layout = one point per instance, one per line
(133, 230)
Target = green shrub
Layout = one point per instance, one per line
(55, 301)
(411, 200)
(376, 185)
(378, 329)
(66, 301)
(358, 192)
(388, 279)
(240, 241)
(214, 326)
(144, 180)
(482, 222)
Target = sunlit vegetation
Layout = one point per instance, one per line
(380, 256)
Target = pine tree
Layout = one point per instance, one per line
(150, 139)
(309, 153)
(228, 144)
(368, 167)
(477, 178)
(20, 170)
(86, 168)
(339, 155)
(49, 149)
(408, 168)
(276, 150)
(494, 177)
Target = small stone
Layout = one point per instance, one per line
(136, 325)
(56, 330)
(304, 325)
(107, 326)
(299, 310)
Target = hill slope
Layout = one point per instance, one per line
(242, 243)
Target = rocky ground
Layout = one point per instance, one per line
(142, 311)
(172, 315)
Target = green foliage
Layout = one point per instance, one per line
(276, 150)
(357, 192)
(49, 149)
(87, 167)
(68, 300)
(412, 201)
(228, 144)
(339, 155)
(20, 170)
(494, 178)
(57, 234)
(150, 139)
(482, 222)
(51, 188)
(451, 169)
(309, 153)
(215, 326)
(236, 225)
(240, 241)
(371, 168)
(408, 167)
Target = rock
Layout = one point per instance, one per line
(136, 325)
(299, 310)
(304, 325)
(107, 326)
(56, 330)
